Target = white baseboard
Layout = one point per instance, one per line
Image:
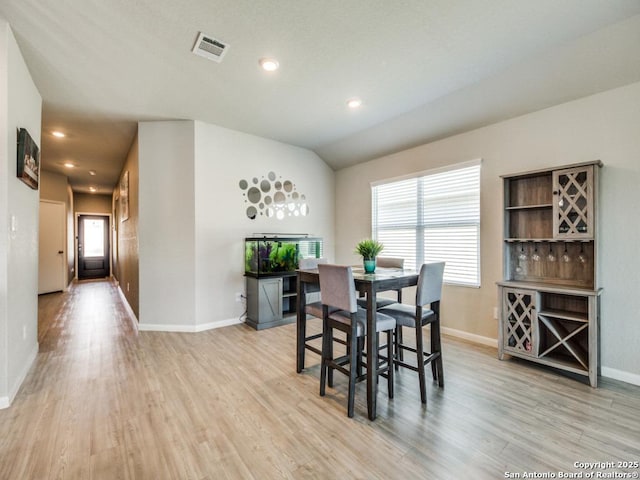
(5, 402)
(127, 307)
(471, 337)
(149, 327)
(628, 377)
(615, 374)
(219, 324)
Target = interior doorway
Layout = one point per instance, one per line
(93, 246)
(52, 261)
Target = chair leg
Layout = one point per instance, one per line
(331, 357)
(436, 346)
(324, 357)
(359, 360)
(434, 369)
(420, 364)
(301, 331)
(390, 362)
(396, 344)
(353, 358)
(378, 343)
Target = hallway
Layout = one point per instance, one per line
(104, 402)
(63, 415)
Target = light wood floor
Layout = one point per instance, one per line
(103, 401)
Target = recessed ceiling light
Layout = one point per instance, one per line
(354, 102)
(269, 64)
(58, 134)
(92, 172)
(69, 165)
(93, 189)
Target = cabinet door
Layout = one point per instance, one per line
(519, 328)
(573, 203)
(270, 299)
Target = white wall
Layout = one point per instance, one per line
(166, 228)
(20, 106)
(223, 157)
(193, 221)
(605, 126)
(4, 206)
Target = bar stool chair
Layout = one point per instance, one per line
(338, 291)
(428, 292)
(381, 302)
(314, 309)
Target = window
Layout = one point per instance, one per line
(93, 237)
(432, 217)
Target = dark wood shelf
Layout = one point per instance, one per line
(530, 207)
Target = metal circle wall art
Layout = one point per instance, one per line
(253, 194)
(279, 198)
(281, 202)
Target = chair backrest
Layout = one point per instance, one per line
(337, 286)
(390, 262)
(430, 283)
(311, 263)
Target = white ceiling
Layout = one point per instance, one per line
(425, 69)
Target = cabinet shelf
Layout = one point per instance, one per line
(530, 240)
(530, 207)
(546, 240)
(565, 338)
(564, 315)
(562, 362)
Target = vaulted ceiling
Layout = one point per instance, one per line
(424, 69)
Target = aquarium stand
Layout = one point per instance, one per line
(271, 301)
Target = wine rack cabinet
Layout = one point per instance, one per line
(549, 298)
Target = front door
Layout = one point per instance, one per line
(93, 246)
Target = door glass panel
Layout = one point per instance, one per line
(93, 237)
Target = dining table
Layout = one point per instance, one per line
(368, 284)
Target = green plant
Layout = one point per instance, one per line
(284, 258)
(369, 248)
(250, 259)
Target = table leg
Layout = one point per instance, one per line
(372, 355)
(301, 324)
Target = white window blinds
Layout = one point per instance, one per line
(433, 217)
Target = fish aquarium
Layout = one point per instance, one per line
(275, 255)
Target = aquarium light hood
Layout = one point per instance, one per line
(278, 235)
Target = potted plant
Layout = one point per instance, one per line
(369, 250)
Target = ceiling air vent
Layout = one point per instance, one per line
(208, 47)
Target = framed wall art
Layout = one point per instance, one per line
(28, 159)
(124, 197)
